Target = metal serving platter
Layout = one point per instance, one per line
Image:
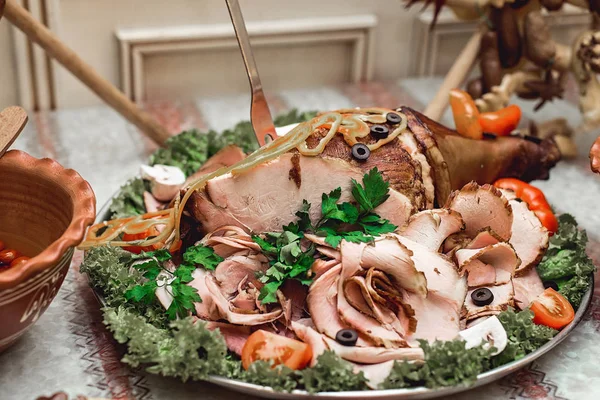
(414, 393)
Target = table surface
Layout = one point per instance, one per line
(70, 350)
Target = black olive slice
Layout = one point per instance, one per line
(482, 297)
(361, 152)
(379, 131)
(393, 118)
(346, 337)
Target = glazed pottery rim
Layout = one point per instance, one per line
(84, 211)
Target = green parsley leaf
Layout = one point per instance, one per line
(202, 255)
(142, 293)
(372, 193)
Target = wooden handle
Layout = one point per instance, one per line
(455, 77)
(41, 35)
(12, 122)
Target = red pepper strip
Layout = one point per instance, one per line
(595, 156)
(501, 122)
(466, 114)
(534, 197)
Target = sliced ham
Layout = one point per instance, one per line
(500, 255)
(373, 355)
(264, 198)
(484, 238)
(365, 325)
(482, 207)
(296, 293)
(392, 257)
(441, 275)
(528, 286)
(235, 269)
(311, 337)
(321, 266)
(529, 236)
(359, 296)
(235, 335)
(375, 373)
(322, 304)
(438, 318)
(430, 228)
(228, 240)
(224, 306)
(480, 274)
(417, 152)
(151, 204)
(206, 309)
(503, 298)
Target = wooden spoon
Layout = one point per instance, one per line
(12, 122)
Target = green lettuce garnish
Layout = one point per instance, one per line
(566, 261)
(446, 363)
(129, 201)
(524, 336)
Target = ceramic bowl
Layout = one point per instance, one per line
(46, 209)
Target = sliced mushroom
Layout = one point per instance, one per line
(490, 331)
(165, 180)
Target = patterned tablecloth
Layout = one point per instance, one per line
(69, 349)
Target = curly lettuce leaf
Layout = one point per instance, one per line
(447, 363)
(188, 151)
(293, 116)
(129, 201)
(280, 378)
(524, 336)
(187, 350)
(566, 261)
(331, 374)
(108, 270)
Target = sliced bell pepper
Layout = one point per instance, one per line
(501, 122)
(466, 114)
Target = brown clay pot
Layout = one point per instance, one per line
(47, 209)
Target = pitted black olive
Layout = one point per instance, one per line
(346, 337)
(393, 118)
(361, 152)
(379, 131)
(482, 297)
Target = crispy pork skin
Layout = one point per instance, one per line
(457, 160)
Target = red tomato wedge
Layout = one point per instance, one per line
(267, 346)
(552, 309)
(128, 237)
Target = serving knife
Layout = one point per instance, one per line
(260, 116)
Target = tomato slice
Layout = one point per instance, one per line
(263, 345)
(128, 237)
(552, 309)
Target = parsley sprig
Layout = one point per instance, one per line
(353, 222)
(175, 281)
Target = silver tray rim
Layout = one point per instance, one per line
(412, 393)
